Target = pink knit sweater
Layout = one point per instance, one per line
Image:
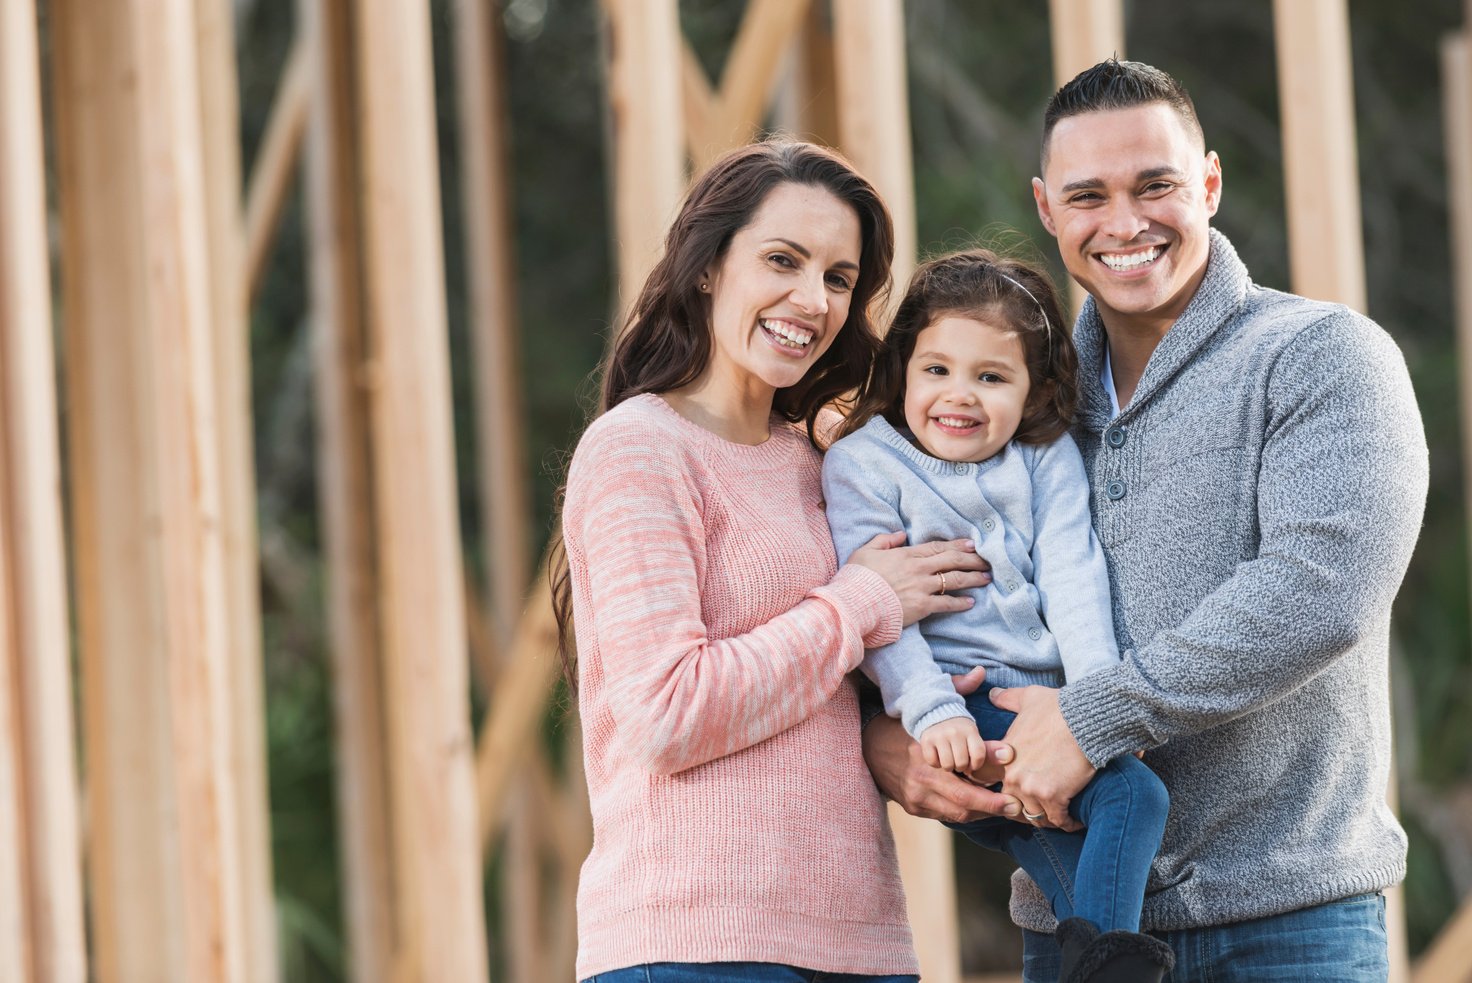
(733, 816)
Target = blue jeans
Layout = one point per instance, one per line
(1343, 941)
(1100, 873)
(735, 973)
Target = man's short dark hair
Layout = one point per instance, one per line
(1115, 84)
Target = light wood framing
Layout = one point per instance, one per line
(346, 493)
(152, 584)
(437, 878)
(41, 934)
(1321, 163)
(1084, 33)
(275, 169)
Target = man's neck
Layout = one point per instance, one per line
(1130, 348)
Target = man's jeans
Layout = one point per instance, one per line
(1342, 941)
(1098, 874)
(735, 973)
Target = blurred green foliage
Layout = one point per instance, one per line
(980, 75)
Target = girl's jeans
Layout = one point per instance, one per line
(1099, 873)
(734, 973)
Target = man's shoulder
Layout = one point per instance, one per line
(1278, 320)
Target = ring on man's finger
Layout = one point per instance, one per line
(1033, 818)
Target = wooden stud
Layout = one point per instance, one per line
(41, 933)
(1449, 957)
(441, 924)
(275, 167)
(648, 131)
(1084, 33)
(346, 492)
(1320, 160)
(807, 103)
(147, 499)
(873, 111)
(1456, 74)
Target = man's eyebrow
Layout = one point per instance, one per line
(802, 251)
(1149, 174)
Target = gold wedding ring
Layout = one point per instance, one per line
(942, 583)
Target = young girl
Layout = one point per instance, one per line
(961, 432)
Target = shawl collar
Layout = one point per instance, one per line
(1221, 292)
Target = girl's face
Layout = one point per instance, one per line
(965, 388)
(781, 292)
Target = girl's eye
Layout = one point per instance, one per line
(934, 370)
(990, 377)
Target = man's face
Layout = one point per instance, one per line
(1129, 194)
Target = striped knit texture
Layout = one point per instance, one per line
(733, 816)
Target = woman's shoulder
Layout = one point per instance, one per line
(641, 432)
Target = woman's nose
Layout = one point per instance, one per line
(811, 296)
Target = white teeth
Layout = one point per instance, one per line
(790, 336)
(954, 421)
(1129, 262)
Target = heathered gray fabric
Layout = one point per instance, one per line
(1273, 477)
(1044, 618)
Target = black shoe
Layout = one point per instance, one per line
(1113, 957)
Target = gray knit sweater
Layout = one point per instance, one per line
(1257, 501)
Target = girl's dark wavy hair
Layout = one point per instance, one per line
(974, 283)
(667, 342)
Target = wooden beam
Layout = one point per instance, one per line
(1084, 33)
(1320, 160)
(645, 98)
(41, 937)
(437, 872)
(147, 501)
(345, 484)
(235, 445)
(1456, 86)
(275, 167)
(874, 113)
(807, 102)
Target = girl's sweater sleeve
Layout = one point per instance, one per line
(1069, 571)
(679, 697)
(862, 505)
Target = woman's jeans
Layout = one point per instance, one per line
(735, 973)
(1342, 941)
(1098, 874)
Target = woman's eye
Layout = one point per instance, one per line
(781, 259)
(838, 282)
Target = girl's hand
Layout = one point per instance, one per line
(954, 745)
(920, 574)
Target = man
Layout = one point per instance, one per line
(1257, 474)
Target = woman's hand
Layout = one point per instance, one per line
(924, 575)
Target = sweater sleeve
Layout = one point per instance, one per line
(861, 505)
(1340, 494)
(679, 697)
(1068, 564)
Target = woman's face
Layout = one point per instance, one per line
(781, 292)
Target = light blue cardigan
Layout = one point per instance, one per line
(1046, 615)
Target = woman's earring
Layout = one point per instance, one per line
(705, 288)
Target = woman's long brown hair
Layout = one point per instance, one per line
(667, 343)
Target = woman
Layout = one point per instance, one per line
(737, 833)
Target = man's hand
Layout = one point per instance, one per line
(1048, 769)
(899, 769)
